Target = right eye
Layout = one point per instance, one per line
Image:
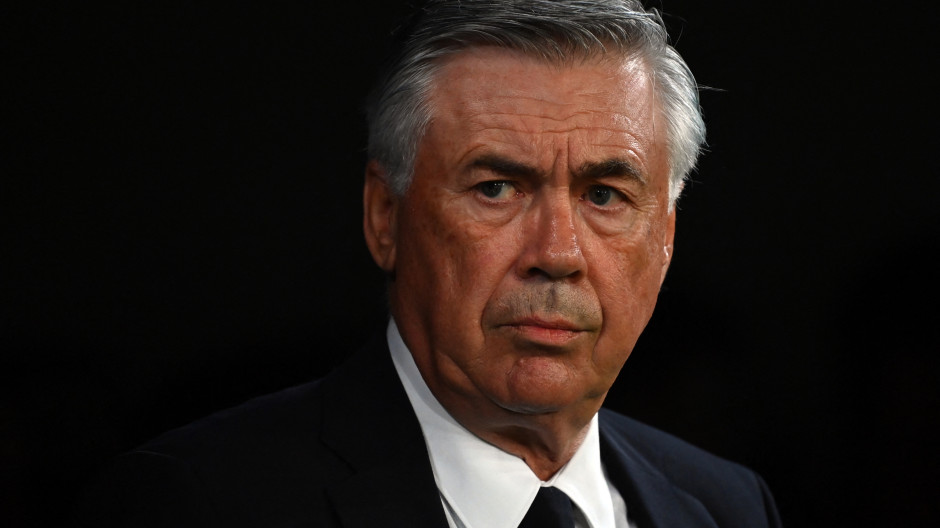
(497, 189)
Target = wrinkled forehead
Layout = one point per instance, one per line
(616, 84)
(553, 119)
(502, 96)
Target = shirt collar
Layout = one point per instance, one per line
(488, 487)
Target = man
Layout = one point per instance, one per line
(526, 158)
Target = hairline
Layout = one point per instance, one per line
(400, 109)
(603, 51)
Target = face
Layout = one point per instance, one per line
(530, 247)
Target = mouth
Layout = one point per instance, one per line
(546, 332)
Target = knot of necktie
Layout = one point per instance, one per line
(551, 509)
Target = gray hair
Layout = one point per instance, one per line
(552, 30)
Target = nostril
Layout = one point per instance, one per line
(536, 272)
(552, 272)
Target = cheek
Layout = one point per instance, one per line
(457, 263)
(626, 265)
(483, 254)
(626, 279)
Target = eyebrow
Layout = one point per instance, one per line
(504, 167)
(610, 168)
(589, 170)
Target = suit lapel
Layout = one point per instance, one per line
(368, 421)
(652, 500)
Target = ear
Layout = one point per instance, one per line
(379, 210)
(667, 244)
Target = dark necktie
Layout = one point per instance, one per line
(551, 509)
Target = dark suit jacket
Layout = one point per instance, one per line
(348, 451)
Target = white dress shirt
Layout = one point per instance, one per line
(483, 486)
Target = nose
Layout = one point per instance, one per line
(551, 242)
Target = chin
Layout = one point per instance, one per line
(541, 398)
(533, 408)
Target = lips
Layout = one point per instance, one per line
(551, 314)
(546, 323)
(545, 331)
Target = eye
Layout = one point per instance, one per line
(496, 189)
(602, 196)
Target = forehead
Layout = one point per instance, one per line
(498, 98)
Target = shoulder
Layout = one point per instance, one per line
(258, 458)
(271, 461)
(730, 492)
(664, 451)
(269, 423)
(284, 424)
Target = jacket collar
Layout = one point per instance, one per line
(652, 499)
(369, 423)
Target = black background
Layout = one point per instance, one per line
(181, 232)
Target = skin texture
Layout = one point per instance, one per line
(529, 250)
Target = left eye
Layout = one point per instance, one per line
(602, 195)
(496, 189)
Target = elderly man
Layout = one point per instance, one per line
(526, 157)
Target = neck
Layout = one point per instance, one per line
(544, 452)
(544, 435)
(546, 441)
